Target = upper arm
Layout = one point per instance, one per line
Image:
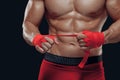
(34, 11)
(113, 8)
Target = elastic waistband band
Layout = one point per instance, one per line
(70, 61)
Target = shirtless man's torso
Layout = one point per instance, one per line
(71, 17)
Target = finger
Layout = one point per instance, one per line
(39, 49)
(81, 36)
(49, 40)
(81, 41)
(56, 40)
(48, 45)
(82, 44)
(44, 47)
(85, 48)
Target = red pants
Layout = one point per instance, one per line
(53, 71)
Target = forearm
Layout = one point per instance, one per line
(112, 35)
(33, 15)
(29, 31)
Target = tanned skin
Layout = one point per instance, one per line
(71, 17)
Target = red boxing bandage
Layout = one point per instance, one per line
(38, 39)
(94, 39)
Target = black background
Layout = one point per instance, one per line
(19, 61)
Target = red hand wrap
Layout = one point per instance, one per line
(94, 39)
(38, 39)
(84, 60)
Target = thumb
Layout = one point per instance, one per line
(56, 40)
(81, 36)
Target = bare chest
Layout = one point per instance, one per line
(84, 7)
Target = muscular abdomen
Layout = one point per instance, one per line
(71, 17)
